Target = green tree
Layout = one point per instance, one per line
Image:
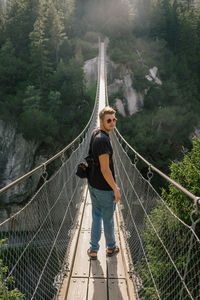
(41, 78)
(42, 65)
(32, 98)
(174, 234)
(54, 102)
(186, 173)
(189, 40)
(12, 69)
(176, 237)
(20, 18)
(38, 125)
(3, 19)
(6, 288)
(46, 40)
(57, 34)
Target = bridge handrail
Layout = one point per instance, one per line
(43, 165)
(59, 154)
(170, 180)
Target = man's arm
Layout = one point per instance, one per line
(107, 174)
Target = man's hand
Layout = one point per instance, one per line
(117, 195)
(107, 174)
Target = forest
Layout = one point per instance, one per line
(165, 34)
(42, 89)
(43, 45)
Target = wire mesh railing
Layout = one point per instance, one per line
(164, 252)
(38, 236)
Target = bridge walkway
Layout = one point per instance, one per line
(103, 279)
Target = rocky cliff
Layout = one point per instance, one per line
(17, 157)
(119, 79)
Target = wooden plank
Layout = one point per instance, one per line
(82, 262)
(117, 289)
(115, 267)
(88, 198)
(71, 252)
(87, 218)
(77, 289)
(115, 263)
(115, 222)
(97, 289)
(126, 256)
(98, 267)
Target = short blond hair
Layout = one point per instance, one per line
(105, 111)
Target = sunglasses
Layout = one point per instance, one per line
(111, 120)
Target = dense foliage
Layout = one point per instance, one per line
(7, 291)
(42, 88)
(186, 173)
(165, 34)
(42, 48)
(173, 233)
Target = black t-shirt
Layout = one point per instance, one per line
(100, 144)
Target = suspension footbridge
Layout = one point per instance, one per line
(47, 239)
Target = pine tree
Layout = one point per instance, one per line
(57, 34)
(20, 17)
(40, 52)
(46, 40)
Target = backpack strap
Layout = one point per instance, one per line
(92, 140)
(90, 158)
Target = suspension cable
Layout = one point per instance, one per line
(170, 180)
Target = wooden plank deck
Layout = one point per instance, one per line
(104, 279)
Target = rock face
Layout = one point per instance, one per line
(17, 157)
(132, 101)
(119, 79)
(91, 71)
(152, 76)
(196, 133)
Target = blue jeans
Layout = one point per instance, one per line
(102, 209)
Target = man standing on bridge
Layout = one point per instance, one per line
(102, 186)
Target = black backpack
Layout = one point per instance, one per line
(83, 168)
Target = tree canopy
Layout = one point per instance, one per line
(41, 76)
(164, 34)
